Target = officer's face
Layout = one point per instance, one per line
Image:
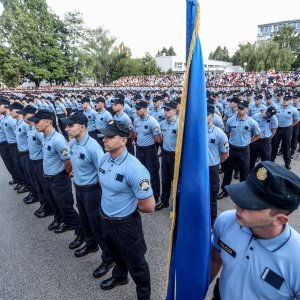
(114, 143)
(242, 112)
(169, 113)
(210, 118)
(258, 101)
(116, 107)
(26, 117)
(156, 104)
(85, 105)
(2, 109)
(99, 105)
(75, 130)
(286, 102)
(42, 125)
(233, 104)
(269, 101)
(141, 111)
(13, 113)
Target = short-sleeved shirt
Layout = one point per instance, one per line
(218, 121)
(102, 118)
(146, 129)
(74, 105)
(256, 268)
(124, 181)
(266, 125)
(10, 129)
(217, 144)
(286, 115)
(241, 130)
(35, 146)
(2, 132)
(44, 105)
(158, 115)
(68, 103)
(91, 116)
(86, 156)
(51, 107)
(60, 109)
(21, 135)
(169, 132)
(123, 117)
(229, 113)
(55, 152)
(254, 109)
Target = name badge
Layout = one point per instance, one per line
(81, 156)
(289, 112)
(119, 177)
(227, 248)
(272, 278)
(213, 141)
(101, 171)
(247, 127)
(174, 131)
(34, 138)
(49, 148)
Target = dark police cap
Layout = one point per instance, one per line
(41, 114)
(157, 98)
(234, 99)
(85, 99)
(118, 101)
(271, 111)
(4, 101)
(114, 128)
(210, 109)
(258, 97)
(171, 105)
(243, 104)
(76, 118)
(100, 99)
(147, 97)
(141, 104)
(287, 97)
(268, 185)
(57, 98)
(137, 97)
(29, 109)
(178, 100)
(210, 101)
(15, 105)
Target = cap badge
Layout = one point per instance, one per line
(262, 174)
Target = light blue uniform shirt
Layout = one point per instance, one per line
(102, 118)
(21, 135)
(169, 132)
(229, 113)
(68, 103)
(51, 107)
(44, 105)
(146, 129)
(123, 117)
(286, 115)
(297, 107)
(219, 107)
(241, 130)
(254, 109)
(74, 105)
(159, 114)
(2, 132)
(91, 116)
(80, 108)
(35, 146)
(133, 114)
(124, 181)
(217, 144)
(55, 152)
(10, 129)
(127, 109)
(266, 125)
(249, 262)
(273, 104)
(218, 121)
(86, 156)
(60, 108)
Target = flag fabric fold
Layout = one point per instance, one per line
(189, 249)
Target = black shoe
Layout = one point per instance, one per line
(222, 195)
(44, 213)
(22, 190)
(27, 197)
(62, 228)
(18, 186)
(79, 240)
(221, 170)
(157, 200)
(161, 205)
(288, 166)
(110, 283)
(31, 200)
(54, 225)
(236, 175)
(85, 250)
(103, 269)
(12, 182)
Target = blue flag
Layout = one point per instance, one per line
(189, 250)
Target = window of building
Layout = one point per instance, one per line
(178, 65)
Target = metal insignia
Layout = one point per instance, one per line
(262, 174)
(64, 152)
(144, 184)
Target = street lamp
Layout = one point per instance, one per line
(245, 66)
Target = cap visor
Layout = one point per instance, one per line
(34, 119)
(108, 132)
(67, 121)
(21, 112)
(244, 197)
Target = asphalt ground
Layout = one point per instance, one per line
(37, 264)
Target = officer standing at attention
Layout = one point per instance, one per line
(254, 242)
(258, 107)
(218, 152)
(102, 118)
(4, 145)
(86, 155)
(233, 110)
(57, 169)
(68, 104)
(126, 191)
(169, 131)
(61, 112)
(268, 125)
(288, 117)
(148, 134)
(296, 128)
(242, 130)
(157, 111)
(74, 103)
(91, 116)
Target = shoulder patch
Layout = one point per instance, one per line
(226, 145)
(144, 184)
(156, 129)
(64, 152)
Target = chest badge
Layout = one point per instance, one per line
(262, 174)
(227, 248)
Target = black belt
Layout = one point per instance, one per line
(238, 148)
(264, 139)
(118, 220)
(214, 167)
(36, 161)
(56, 175)
(146, 147)
(168, 152)
(13, 144)
(23, 153)
(3, 143)
(87, 187)
(285, 127)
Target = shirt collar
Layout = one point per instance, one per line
(84, 140)
(275, 243)
(50, 134)
(211, 128)
(119, 159)
(173, 122)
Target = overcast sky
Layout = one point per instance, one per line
(148, 25)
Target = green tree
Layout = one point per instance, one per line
(171, 52)
(246, 53)
(220, 54)
(149, 66)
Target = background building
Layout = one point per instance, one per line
(265, 31)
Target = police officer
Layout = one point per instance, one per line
(91, 114)
(4, 146)
(61, 112)
(296, 128)
(102, 118)
(148, 133)
(268, 125)
(232, 110)
(126, 190)
(157, 111)
(169, 131)
(86, 155)
(218, 152)
(254, 242)
(57, 169)
(288, 117)
(74, 103)
(241, 130)
(258, 107)
(68, 104)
